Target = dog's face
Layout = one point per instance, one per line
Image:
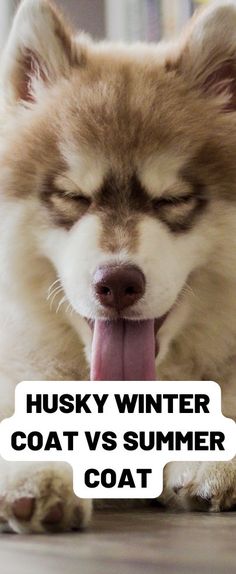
(119, 157)
(127, 209)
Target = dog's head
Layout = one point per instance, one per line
(124, 156)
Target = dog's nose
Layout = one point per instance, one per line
(118, 287)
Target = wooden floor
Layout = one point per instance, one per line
(146, 542)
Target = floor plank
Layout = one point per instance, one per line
(144, 542)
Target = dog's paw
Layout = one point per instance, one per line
(40, 498)
(212, 488)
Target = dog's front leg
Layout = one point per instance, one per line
(39, 497)
(208, 486)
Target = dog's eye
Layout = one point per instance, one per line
(170, 201)
(80, 199)
(177, 212)
(66, 208)
(70, 205)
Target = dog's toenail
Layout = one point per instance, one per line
(23, 508)
(54, 515)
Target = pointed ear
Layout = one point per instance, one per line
(40, 49)
(208, 57)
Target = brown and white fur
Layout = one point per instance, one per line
(116, 154)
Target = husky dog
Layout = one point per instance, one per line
(118, 231)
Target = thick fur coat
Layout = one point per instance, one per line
(116, 155)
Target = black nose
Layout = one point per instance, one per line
(118, 287)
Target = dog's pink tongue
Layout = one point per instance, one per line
(123, 351)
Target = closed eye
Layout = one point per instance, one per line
(78, 198)
(172, 200)
(65, 207)
(178, 212)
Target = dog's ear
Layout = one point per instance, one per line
(208, 54)
(39, 50)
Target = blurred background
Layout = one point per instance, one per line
(129, 20)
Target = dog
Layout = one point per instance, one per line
(118, 232)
